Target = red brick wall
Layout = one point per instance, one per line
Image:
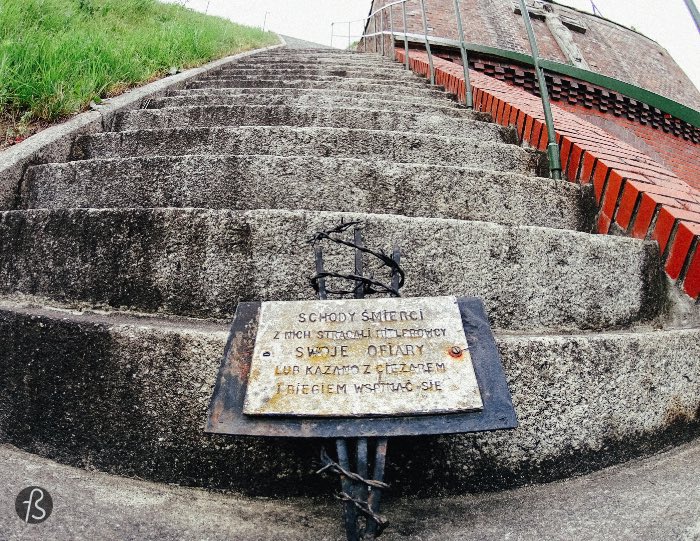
(680, 156)
(610, 49)
(674, 144)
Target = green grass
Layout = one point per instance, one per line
(58, 55)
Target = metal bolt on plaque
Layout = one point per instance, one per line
(359, 370)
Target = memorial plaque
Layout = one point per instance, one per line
(361, 357)
(226, 410)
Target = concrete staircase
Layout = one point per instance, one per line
(120, 270)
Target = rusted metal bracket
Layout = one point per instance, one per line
(361, 496)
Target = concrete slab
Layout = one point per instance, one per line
(657, 499)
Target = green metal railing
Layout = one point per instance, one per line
(552, 146)
(694, 12)
(669, 106)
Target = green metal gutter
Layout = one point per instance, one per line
(675, 109)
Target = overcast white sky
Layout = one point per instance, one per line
(666, 21)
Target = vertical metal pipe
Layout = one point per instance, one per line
(318, 254)
(332, 33)
(552, 146)
(391, 29)
(381, 28)
(427, 43)
(347, 486)
(468, 98)
(359, 285)
(374, 27)
(405, 36)
(362, 468)
(395, 278)
(375, 494)
(349, 38)
(694, 12)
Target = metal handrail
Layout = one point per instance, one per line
(468, 98)
(552, 146)
(694, 12)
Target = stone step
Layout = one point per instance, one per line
(329, 142)
(352, 62)
(314, 98)
(270, 72)
(322, 56)
(303, 52)
(322, 82)
(200, 263)
(337, 117)
(435, 98)
(129, 395)
(296, 183)
(105, 506)
(340, 83)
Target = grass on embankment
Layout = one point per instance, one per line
(58, 55)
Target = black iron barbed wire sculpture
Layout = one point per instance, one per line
(364, 285)
(360, 494)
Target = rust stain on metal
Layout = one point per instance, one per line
(456, 352)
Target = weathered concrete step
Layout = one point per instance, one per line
(129, 396)
(319, 98)
(436, 98)
(324, 81)
(322, 67)
(255, 182)
(323, 63)
(304, 52)
(280, 115)
(356, 85)
(108, 506)
(196, 262)
(111, 507)
(329, 142)
(269, 72)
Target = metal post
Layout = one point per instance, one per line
(427, 43)
(349, 38)
(468, 98)
(348, 488)
(405, 36)
(381, 28)
(374, 27)
(332, 29)
(694, 12)
(375, 495)
(391, 29)
(552, 146)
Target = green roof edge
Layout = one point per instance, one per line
(667, 105)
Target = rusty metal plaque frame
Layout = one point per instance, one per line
(226, 408)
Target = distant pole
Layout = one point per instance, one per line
(206, 11)
(265, 20)
(694, 12)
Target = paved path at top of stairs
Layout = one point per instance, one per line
(657, 499)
